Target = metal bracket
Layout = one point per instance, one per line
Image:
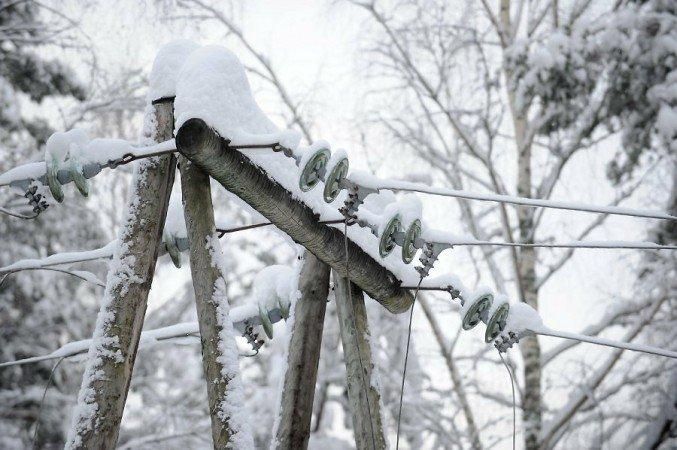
(356, 196)
(431, 251)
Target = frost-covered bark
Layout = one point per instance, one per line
(219, 353)
(101, 400)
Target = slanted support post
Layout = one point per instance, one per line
(110, 361)
(364, 397)
(303, 357)
(208, 279)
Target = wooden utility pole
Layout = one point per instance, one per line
(234, 171)
(303, 357)
(101, 401)
(199, 215)
(363, 395)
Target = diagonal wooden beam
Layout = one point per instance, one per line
(363, 392)
(105, 383)
(234, 171)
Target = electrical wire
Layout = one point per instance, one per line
(606, 342)
(405, 186)
(514, 408)
(629, 245)
(17, 215)
(42, 402)
(406, 358)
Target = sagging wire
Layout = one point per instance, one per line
(42, 402)
(514, 407)
(17, 215)
(406, 358)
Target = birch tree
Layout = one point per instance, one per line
(530, 85)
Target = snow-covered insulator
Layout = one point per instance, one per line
(496, 323)
(53, 179)
(387, 242)
(172, 249)
(332, 182)
(77, 175)
(265, 322)
(409, 248)
(313, 168)
(284, 305)
(477, 310)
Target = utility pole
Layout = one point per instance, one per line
(303, 357)
(364, 397)
(208, 279)
(102, 396)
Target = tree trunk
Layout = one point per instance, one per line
(303, 357)
(101, 401)
(363, 394)
(199, 215)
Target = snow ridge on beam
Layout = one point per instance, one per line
(234, 171)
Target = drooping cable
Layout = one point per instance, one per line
(406, 358)
(514, 408)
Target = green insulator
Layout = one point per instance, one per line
(497, 322)
(387, 242)
(284, 308)
(310, 174)
(53, 180)
(408, 247)
(76, 173)
(333, 180)
(173, 249)
(265, 322)
(477, 309)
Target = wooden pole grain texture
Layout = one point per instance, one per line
(200, 227)
(303, 356)
(102, 396)
(364, 397)
(234, 171)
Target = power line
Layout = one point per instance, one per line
(406, 186)
(544, 331)
(579, 244)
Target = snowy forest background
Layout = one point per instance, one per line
(569, 100)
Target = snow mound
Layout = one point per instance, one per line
(275, 284)
(166, 67)
(212, 85)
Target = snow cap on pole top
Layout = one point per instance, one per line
(166, 67)
(212, 85)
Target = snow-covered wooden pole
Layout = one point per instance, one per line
(219, 351)
(364, 397)
(196, 140)
(101, 400)
(303, 357)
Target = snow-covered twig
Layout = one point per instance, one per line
(61, 258)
